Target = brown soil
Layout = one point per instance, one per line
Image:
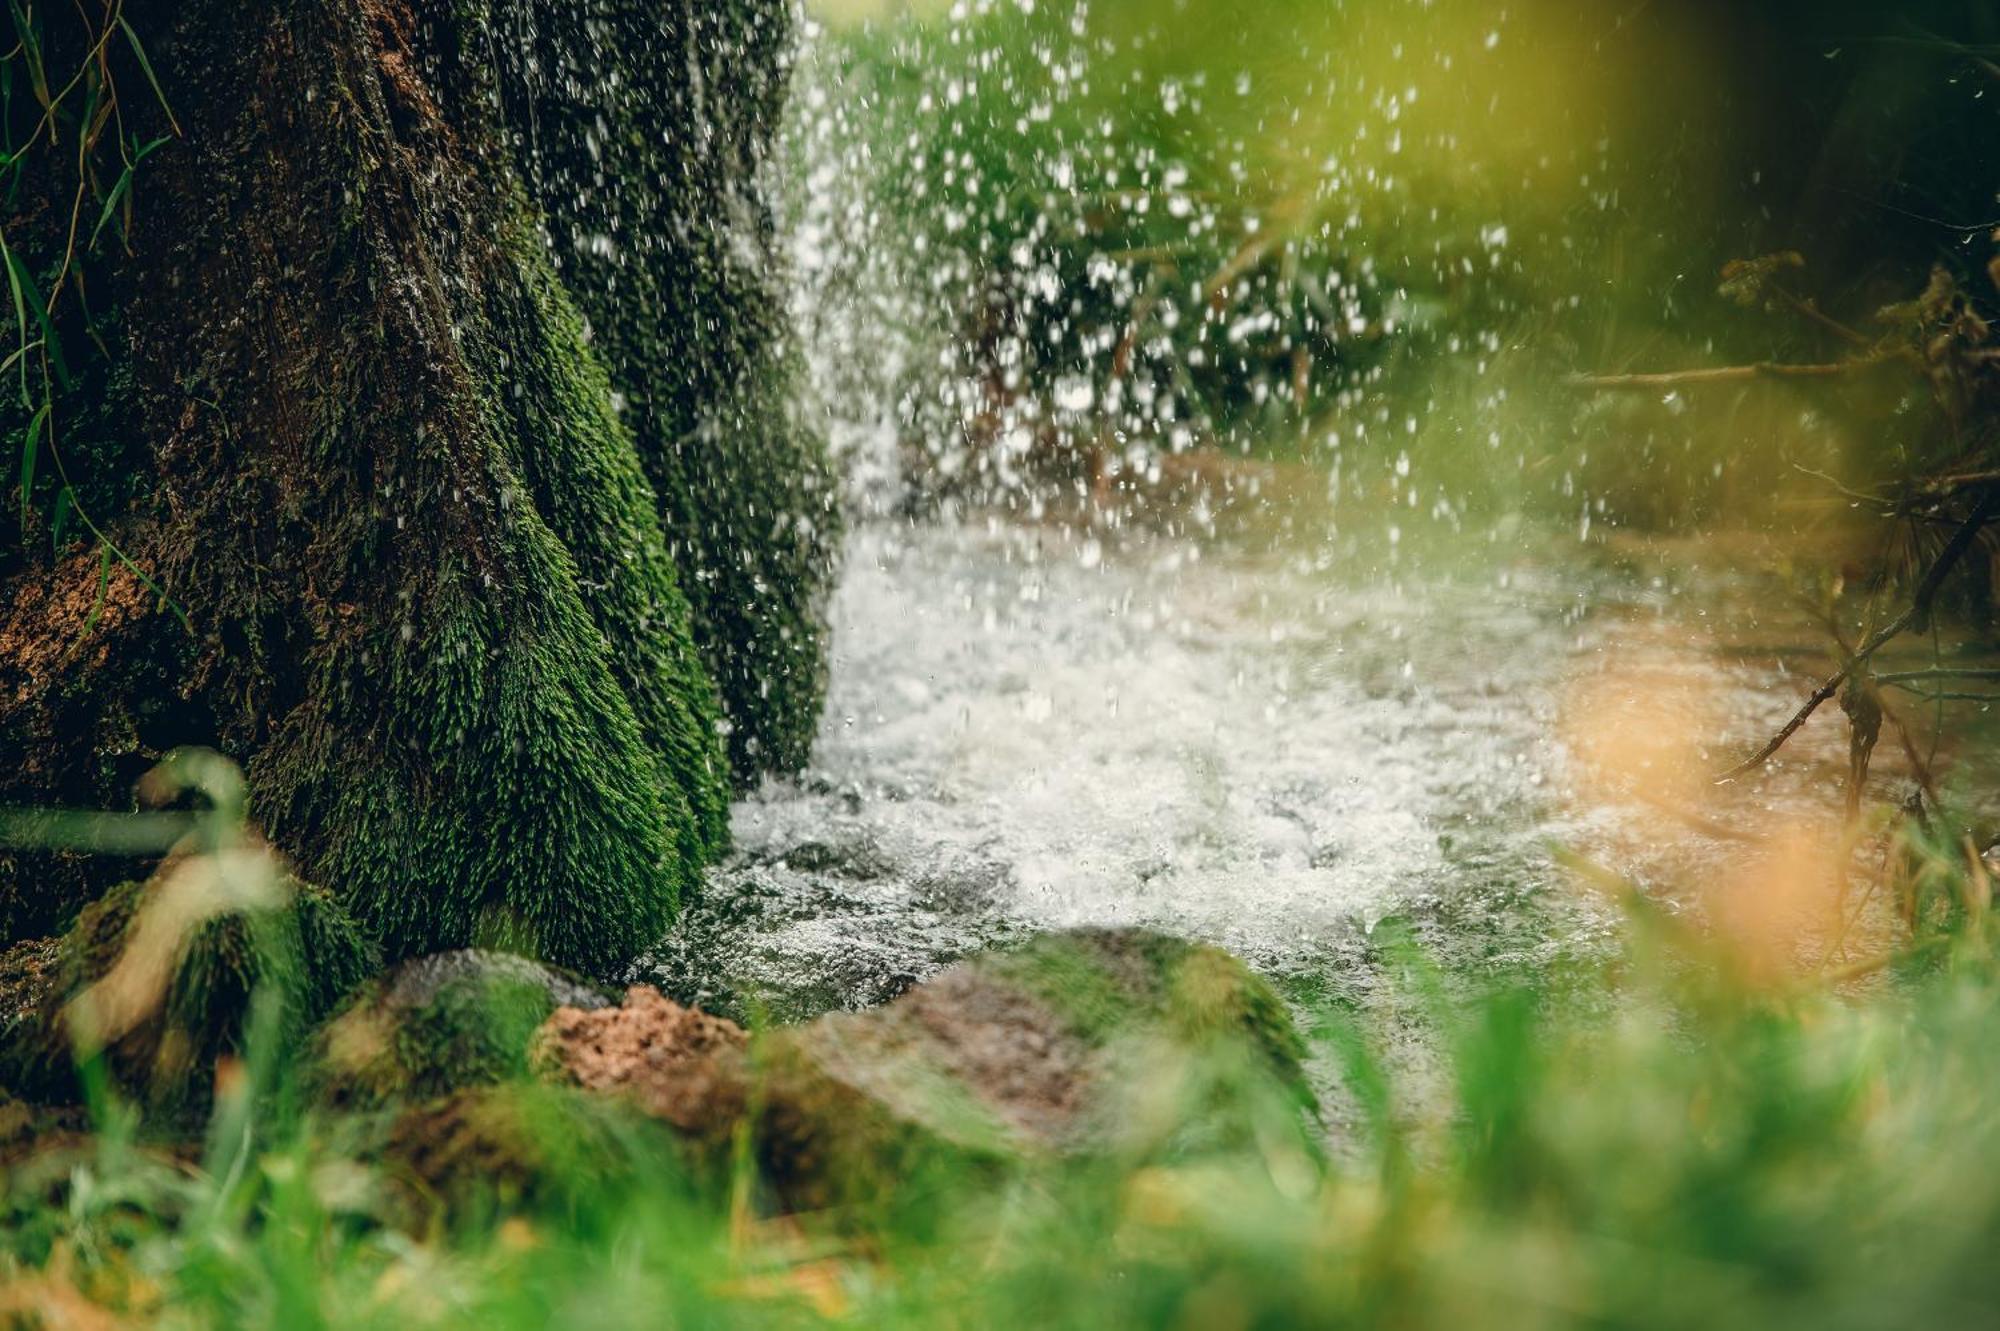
(27, 974)
(675, 1063)
(49, 631)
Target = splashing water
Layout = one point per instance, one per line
(1035, 727)
(1175, 688)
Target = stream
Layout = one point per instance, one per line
(1270, 740)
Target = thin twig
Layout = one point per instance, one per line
(1918, 764)
(1917, 616)
(1859, 496)
(1733, 374)
(1937, 673)
(1812, 311)
(1946, 695)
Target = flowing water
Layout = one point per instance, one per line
(1270, 742)
(1270, 713)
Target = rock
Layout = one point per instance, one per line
(514, 1145)
(161, 976)
(438, 1024)
(1083, 1042)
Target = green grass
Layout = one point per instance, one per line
(1667, 1143)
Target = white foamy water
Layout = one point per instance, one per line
(1034, 728)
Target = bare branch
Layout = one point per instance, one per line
(1900, 677)
(1733, 374)
(1917, 616)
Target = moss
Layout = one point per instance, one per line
(436, 612)
(434, 1026)
(641, 130)
(584, 477)
(310, 953)
(1110, 981)
(1074, 1044)
(518, 1146)
(28, 972)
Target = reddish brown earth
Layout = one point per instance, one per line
(675, 1063)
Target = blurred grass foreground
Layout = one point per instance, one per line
(1693, 1130)
(1670, 268)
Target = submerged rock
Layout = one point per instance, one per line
(786, 944)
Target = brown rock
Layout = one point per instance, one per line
(970, 1053)
(1029, 1053)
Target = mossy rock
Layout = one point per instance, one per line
(1083, 1043)
(519, 1146)
(1092, 1043)
(1103, 981)
(470, 540)
(163, 1042)
(439, 1024)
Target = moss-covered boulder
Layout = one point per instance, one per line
(439, 1024)
(513, 1146)
(159, 979)
(400, 491)
(1116, 1042)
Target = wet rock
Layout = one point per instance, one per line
(821, 925)
(441, 1023)
(420, 982)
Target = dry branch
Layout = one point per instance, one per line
(1917, 616)
(1732, 374)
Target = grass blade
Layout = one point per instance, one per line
(30, 444)
(20, 312)
(121, 189)
(118, 192)
(31, 48)
(147, 66)
(59, 519)
(162, 601)
(24, 289)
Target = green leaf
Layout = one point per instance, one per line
(16, 354)
(30, 444)
(111, 202)
(122, 188)
(31, 48)
(147, 66)
(162, 601)
(24, 287)
(59, 519)
(20, 312)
